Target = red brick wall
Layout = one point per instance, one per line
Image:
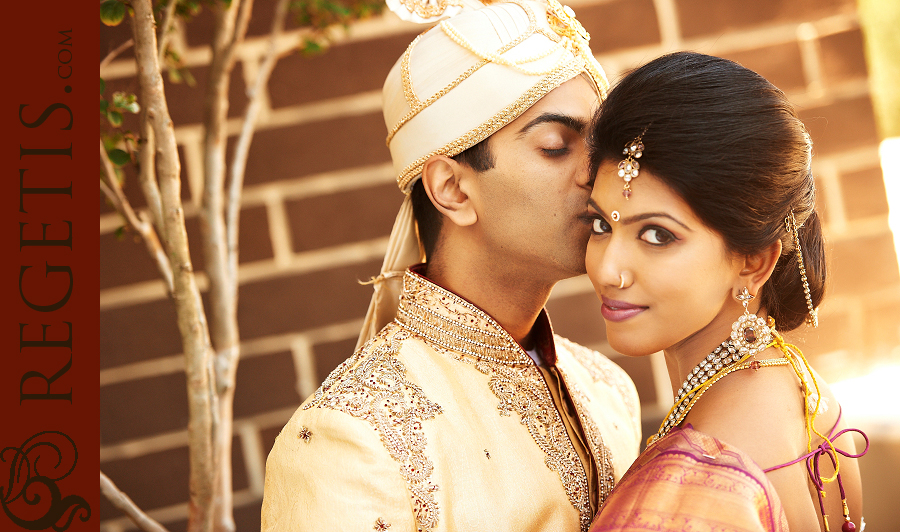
(320, 200)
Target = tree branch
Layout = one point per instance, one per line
(245, 138)
(243, 22)
(147, 159)
(116, 196)
(227, 33)
(192, 322)
(123, 502)
(147, 172)
(229, 29)
(164, 27)
(113, 54)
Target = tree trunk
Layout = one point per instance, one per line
(229, 29)
(188, 305)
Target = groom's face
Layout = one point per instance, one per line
(532, 204)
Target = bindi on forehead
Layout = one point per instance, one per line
(618, 216)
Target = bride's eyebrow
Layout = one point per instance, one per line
(639, 217)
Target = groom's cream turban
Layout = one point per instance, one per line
(457, 84)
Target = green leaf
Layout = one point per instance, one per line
(188, 77)
(115, 118)
(120, 233)
(112, 12)
(110, 141)
(311, 48)
(104, 105)
(102, 86)
(175, 75)
(187, 9)
(181, 75)
(119, 157)
(126, 102)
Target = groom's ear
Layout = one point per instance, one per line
(447, 184)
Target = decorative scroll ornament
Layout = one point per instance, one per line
(33, 498)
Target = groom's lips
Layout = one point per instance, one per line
(614, 310)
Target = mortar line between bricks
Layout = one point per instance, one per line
(299, 264)
(668, 23)
(179, 438)
(251, 348)
(173, 512)
(301, 187)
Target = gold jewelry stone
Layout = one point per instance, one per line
(750, 333)
(714, 367)
(629, 168)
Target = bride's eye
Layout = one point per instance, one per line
(657, 236)
(599, 226)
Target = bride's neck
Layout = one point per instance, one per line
(682, 357)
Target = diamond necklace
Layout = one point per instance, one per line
(725, 359)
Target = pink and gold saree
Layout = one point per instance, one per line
(690, 481)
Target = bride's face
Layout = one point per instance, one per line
(678, 275)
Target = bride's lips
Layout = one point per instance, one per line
(613, 310)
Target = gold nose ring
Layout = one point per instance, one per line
(621, 280)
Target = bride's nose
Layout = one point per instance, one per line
(607, 263)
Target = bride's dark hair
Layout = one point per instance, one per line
(730, 144)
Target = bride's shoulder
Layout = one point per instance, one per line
(762, 412)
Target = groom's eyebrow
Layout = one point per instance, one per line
(575, 124)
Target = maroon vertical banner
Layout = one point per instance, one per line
(49, 385)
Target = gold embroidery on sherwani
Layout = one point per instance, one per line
(467, 333)
(371, 385)
(601, 453)
(449, 321)
(601, 368)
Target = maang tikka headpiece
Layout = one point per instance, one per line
(629, 168)
(790, 224)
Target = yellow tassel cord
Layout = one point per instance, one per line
(701, 388)
(795, 355)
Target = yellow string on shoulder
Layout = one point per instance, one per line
(795, 355)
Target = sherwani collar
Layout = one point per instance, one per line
(451, 321)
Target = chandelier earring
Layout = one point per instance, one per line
(750, 334)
